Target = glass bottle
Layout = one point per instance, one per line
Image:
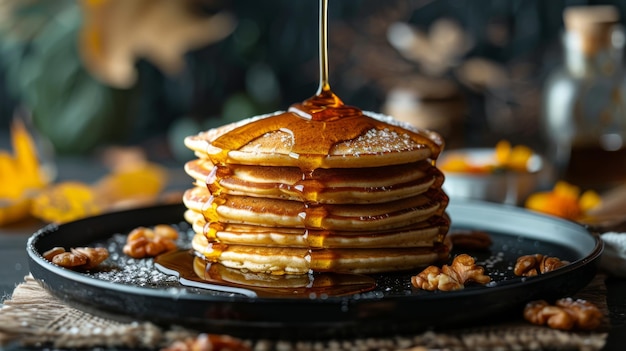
(584, 110)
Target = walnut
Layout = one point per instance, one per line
(208, 342)
(531, 265)
(565, 314)
(48, 255)
(432, 279)
(146, 242)
(453, 277)
(80, 258)
(588, 315)
(470, 240)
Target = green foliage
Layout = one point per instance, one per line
(45, 74)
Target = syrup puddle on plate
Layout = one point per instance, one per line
(193, 271)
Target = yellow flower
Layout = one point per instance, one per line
(563, 201)
(515, 158)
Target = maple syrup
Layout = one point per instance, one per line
(198, 272)
(594, 167)
(584, 103)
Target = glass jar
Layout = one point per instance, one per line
(584, 110)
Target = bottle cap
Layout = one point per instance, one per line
(594, 25)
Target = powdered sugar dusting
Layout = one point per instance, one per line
(376, 141)
(122, 269)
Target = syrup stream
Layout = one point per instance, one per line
(323, 43)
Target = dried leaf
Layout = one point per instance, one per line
(13, 210)
(11, 184)
(26, 159)
(142, 181)
(118, 32)
(65, 202)
(20, 175)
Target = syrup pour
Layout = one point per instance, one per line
(325, 105)
(197, 272)
(317, 124)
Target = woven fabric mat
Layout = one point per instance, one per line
(34, 318)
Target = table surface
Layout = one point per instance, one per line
(14, 262)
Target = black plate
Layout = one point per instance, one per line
(134, 290)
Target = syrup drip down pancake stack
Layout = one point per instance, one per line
(319, 188)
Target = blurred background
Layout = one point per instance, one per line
(92, 74)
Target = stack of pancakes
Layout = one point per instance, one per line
(274, 194)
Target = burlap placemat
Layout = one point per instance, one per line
(34, 318)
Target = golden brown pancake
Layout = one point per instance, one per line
(285, 213)
(275, 144)
(280, 260)
(423, 234)
(337, 185)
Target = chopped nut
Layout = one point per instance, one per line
(69, 260)
(95, 255)
(165, 231)
(146, 242)
(48, 255)
(454, 277)
(565, 314)
(471, 239)
(208, 342)
(82, 258)
(588, 315)
(531, 265)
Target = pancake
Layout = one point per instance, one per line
(285, 213)
(372, 140)
(423, 234)
(280, 260)
(343, 185)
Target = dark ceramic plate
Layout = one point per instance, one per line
(129, 289)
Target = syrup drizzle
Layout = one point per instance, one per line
(197, 272)
(311, 185)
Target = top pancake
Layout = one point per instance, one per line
(286, 139)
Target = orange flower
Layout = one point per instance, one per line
(515, 158)
(461, 164)
(505, 157)
(563, 201)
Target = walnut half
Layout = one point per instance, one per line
(453, 277)
(149, 242)
(80, 258)
(565, 314)
(531, 265)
